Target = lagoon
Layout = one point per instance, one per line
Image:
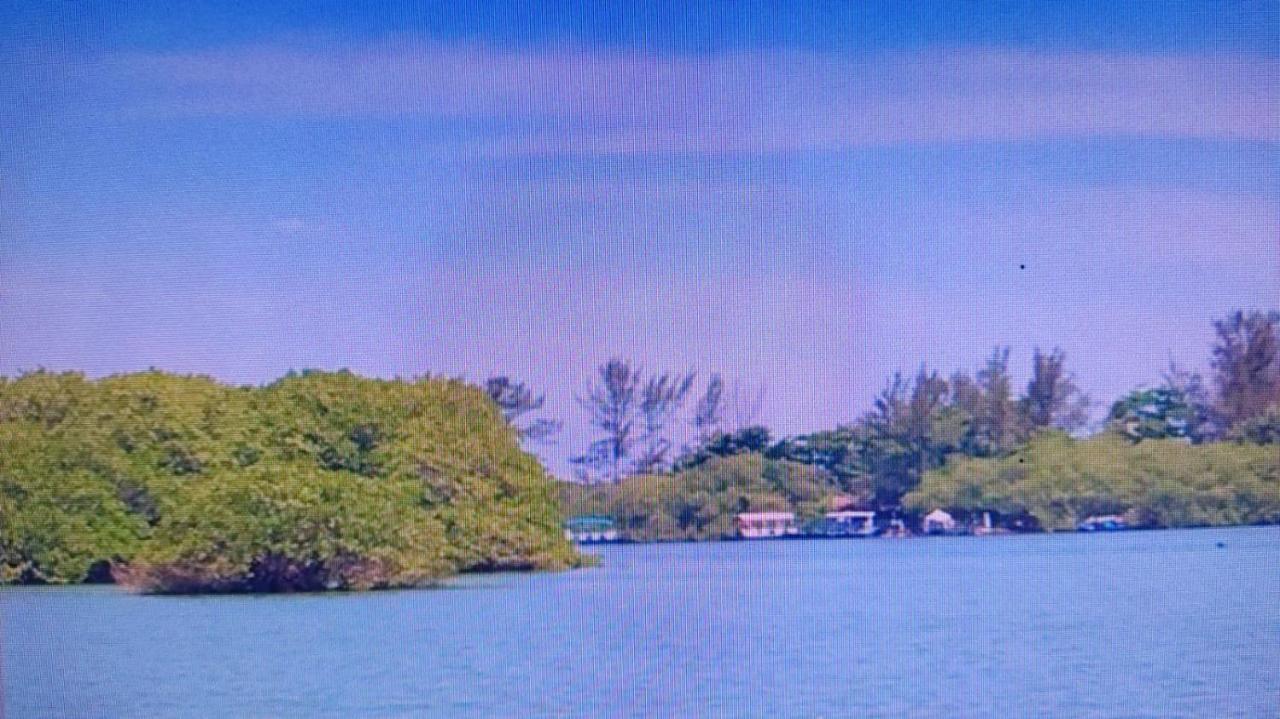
(1180, 623)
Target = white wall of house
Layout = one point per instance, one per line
(761, 525)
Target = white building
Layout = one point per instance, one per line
(761, 525)
(851, 523)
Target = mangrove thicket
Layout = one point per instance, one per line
(320, 480)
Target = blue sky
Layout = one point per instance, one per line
(803, 196)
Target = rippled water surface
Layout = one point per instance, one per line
(1140, 624)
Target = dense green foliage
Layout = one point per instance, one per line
(1159, 413)
(916, 422)
(1246, 363)
(701, 502)
(319, 480)
(1156, 483)
(727, 444)
(1261, 429)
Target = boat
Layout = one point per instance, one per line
(591, 529)
(1103, 523)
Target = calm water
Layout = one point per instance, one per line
(1143, 624)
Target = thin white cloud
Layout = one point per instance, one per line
(591, 101)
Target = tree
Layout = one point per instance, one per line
(708, 413)
(995, 424)
(1263, 429)
(1053, 400)
(59, 516)
(755, 438)
(660, 400)
(611, 402)
(1159, 413)
(516, 400)
(1246, 364)
(910, 430)
(1190, 387)
(291, 527)
(986, 402)
(836, 451)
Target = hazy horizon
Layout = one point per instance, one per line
(808, 199)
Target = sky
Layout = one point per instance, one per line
(803, 197)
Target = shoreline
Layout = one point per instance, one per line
(796, 538)
(594, 562)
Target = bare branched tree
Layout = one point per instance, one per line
(611, 402)
(708, 413)
(660, 401)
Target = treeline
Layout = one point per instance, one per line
(317, 481)
(325, 480)
(929, 438)
(1055, 482)
(914, 424)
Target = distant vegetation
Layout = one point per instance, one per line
(332, 481)
(317, 481)
(701, 502)
(1184, 452)
(1158, 483)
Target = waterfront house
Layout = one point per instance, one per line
(850, 523)
(761, 525)
(590, 529)
(938, 522)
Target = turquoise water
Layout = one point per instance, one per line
(1140, 624)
